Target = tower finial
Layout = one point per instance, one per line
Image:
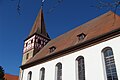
(42, 1)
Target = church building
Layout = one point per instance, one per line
(89, 52)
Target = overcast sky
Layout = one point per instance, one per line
(60, 17)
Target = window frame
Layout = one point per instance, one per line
(27, 56)
(42, 74)
(77, 68)
(52, 49)
(107, 63)
(81, 36)
(29, 76)
(57, 67)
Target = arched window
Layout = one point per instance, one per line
(80, 67)
(42, 73)
(29, 76)
(58, 70)
(110, 64)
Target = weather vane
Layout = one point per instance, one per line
(42, 3)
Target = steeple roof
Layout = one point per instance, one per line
(39, 25)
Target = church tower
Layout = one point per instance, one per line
(37, 38)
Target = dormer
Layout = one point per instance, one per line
(81, 36)
(52, 49)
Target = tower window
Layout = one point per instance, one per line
(32, 41)
(39, 41)
(110, 66)
(26, 44)
(81, 36)
(27, 56)
(52, 48)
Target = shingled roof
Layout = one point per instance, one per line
(39, 25)
(99, 26)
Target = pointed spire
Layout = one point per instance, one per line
(39, 25)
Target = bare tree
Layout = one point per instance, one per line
(113, 5)
(58, 2)
(18, 7)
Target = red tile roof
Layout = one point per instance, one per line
(11, 77)
(92, 29)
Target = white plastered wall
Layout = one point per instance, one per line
(94, 65)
